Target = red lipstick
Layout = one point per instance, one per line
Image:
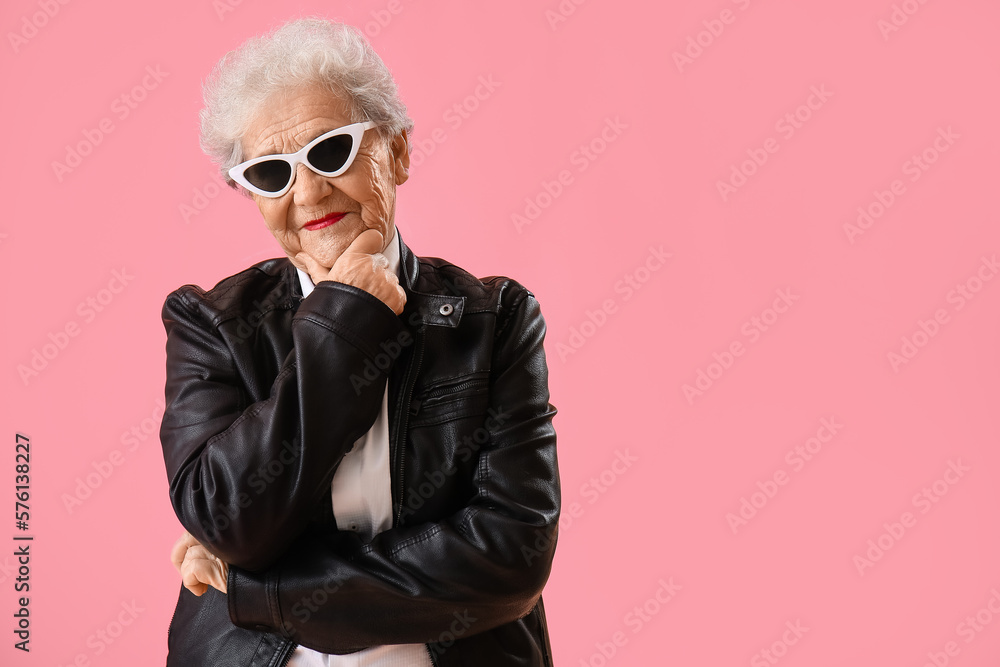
(325, 221)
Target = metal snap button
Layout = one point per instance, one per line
(446, 309)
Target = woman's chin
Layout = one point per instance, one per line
(325, 254)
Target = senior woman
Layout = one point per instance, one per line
(358, 440)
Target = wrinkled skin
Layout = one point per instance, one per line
(199, 568)
(366, 191)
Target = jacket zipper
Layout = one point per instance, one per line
(404, 419)
(400, 438)
(404, 413)
(170, 625)
(288, 656)
(410, 381)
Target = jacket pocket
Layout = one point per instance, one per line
(451, 398)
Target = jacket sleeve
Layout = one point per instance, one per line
(246, 477)
(481, 567)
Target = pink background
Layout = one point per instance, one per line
(889, 92)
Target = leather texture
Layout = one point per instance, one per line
(265, 394)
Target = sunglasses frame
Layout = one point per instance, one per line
(355, 130)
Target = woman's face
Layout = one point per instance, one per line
(366, 192)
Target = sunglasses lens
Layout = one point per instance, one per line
(270, 175)
(330, 154)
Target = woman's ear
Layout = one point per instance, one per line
(401, 157)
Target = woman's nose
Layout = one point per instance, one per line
(309, 187)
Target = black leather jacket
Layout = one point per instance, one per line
(266, 392)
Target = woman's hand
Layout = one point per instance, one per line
(364, 266)
(199, 567)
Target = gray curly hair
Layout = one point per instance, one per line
(299, 53)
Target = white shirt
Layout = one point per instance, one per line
(362, 502)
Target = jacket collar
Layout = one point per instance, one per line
(435, 309)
